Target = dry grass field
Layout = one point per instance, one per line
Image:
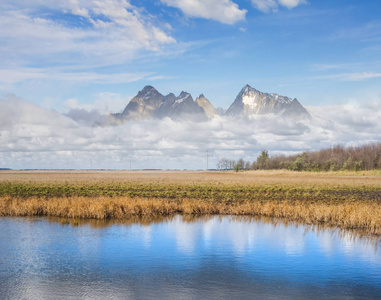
(282, 177)
(342, 199)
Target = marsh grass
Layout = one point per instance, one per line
(363, 216)
(349, 201)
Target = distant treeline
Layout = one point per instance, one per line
(366, 157)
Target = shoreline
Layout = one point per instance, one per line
(359, 216)
(346, 202)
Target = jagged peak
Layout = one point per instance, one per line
(296, 103)
(182, 97)
(147, 89)
(247, 89)
(184, 94)
(170, 95)
(150, 103)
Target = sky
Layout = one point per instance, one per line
(93, 56)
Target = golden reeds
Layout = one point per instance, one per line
(362, 216)
(345, 200)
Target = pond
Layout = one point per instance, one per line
(184, 258)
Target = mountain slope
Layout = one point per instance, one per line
(208, 108)
(296, 111)
(150, 104)
(183, 107)
(143, 105)
(250, 101)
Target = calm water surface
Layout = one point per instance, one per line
(207, 258)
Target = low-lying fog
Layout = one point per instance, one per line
(32, 137)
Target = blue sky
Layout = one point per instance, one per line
(321, 52)
(95, 55)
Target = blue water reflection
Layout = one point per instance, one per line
(212, 257)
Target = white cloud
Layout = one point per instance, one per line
(77, 10)
(96, 112)
(80, 33)
(265, 5)
(15, 111)
(224, 11)
(291, 3)
(360, 76)
(33, 137)
(272, 5)
(9, 76)
(328, 67)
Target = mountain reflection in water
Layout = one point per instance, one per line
(212, 257)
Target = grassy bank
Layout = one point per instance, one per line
(362, 216)
(348, 200)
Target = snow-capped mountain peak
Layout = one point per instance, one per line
(149, 103)
(182, 97)
(251, 101)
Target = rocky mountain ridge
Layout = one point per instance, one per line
(250, 101)
(150, 104)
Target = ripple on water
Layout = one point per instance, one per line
(208, 257)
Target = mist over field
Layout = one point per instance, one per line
(32, 137)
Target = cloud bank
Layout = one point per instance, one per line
(83, 32)
(35, 138)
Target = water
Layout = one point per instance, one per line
(207, 258)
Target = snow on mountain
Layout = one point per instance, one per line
(250, 101)
(183, 108)
(149, 103)
(183, 96)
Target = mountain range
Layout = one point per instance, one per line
(150, 104)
